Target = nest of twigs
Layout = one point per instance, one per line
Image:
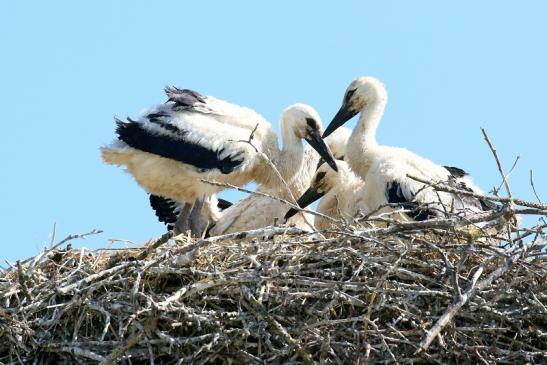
(427, 292)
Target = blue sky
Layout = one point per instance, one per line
(69, 67)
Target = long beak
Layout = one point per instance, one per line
(306, 199)
(344, 114)
(315, 140)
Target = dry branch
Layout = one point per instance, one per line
(414, 292)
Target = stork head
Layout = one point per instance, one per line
(360, 94)
(337, 142)
(323, 181)
(305, 123)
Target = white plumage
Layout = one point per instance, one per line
(385, 169)
(257, 211)
(173, 146)
(342, 195)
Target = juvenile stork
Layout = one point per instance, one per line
(257, 211)
(342, 195)
(386, 169)
(172, 147)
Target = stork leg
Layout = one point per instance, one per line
(195, 217)
(181, 225)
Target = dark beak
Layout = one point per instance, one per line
(306, 199)
(315, 140)
(344, 114)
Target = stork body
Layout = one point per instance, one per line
(386, 170)
(342, 195)
(257, 211)
(172, 147)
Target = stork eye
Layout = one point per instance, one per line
(348, 96)
(312, 123)
(320, 176)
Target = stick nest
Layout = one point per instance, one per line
(409, 293)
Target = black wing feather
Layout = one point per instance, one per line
(394, 195)
(179, 149)
(224, 204)
(165, 209)
(456, 171)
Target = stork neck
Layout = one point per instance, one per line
(291, 156)
(369, 119)
(362, 141)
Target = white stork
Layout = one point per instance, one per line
(342, 195)
(172, 147)
(386, 169)
(257, 211)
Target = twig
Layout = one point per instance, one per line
(23, 281)
(469, 293)
(114, 355)
(157, 243)
(259, 311)
(95, 277)
(533, 186)
(509, 173)
(441, 187)
(500, 168)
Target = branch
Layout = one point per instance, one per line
(441, 187)
(500, 168)
(453, 309)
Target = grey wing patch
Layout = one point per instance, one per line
(456, 180)
(184, 99)
(469, 201)
(456, 171)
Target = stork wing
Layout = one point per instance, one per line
(456, 172)
(463, 183)
(167, 210)
(185, 99)
(398, 192)
(190, 101)
(169, 140)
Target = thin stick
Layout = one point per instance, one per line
(160, 241)
(23, 281)
(454, 308)
(534, 186)
(441, 187)
(510, 172)
(114, 355)
(500, 168)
